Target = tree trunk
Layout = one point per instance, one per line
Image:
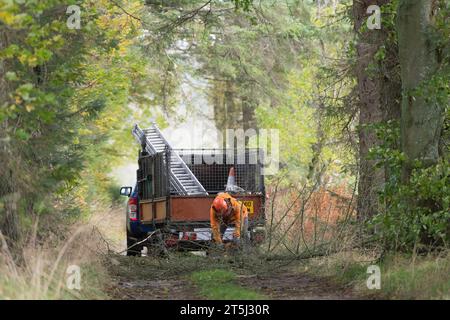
(249, 105)
(248, 113)
(422, 119)
(372, 107)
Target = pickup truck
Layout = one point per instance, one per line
(135, 230)
(175, 189)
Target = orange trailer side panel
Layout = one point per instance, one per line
(197, 208)
(150, 209)
(160, 210)
(146, 211)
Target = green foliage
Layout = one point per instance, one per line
(416, 205)
(65, 101)
(243, 4)
(417, 213)
(266, 68)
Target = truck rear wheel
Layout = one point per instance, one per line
(133, 250)
(157, 247)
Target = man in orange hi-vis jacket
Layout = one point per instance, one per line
(226, 210)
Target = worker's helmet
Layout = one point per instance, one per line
(220, 206)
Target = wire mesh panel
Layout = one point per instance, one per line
(152, 176)
(212, 166)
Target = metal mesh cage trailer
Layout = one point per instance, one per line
(212, 166)
(164, 207)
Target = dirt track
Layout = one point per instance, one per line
(151, 282)
(173, 289)
(157, 278)
(297, 287)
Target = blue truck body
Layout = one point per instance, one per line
(135, 229)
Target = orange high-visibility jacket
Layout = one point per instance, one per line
(237, 217)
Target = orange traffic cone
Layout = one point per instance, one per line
(231, 182)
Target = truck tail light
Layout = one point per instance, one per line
(132, 209)
(172, 241)
(188, 236)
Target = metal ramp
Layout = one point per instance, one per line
(182, 180)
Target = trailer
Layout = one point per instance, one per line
(177, 186)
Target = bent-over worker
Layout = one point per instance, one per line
(226, 210)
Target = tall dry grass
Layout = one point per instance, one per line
(37, 269)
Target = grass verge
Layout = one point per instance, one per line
(222, 285)
(416, 278)
(402, 276)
